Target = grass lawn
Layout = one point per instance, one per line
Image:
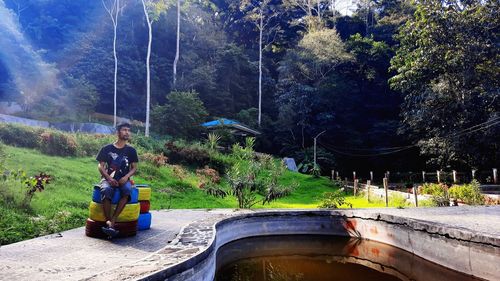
(64, 202)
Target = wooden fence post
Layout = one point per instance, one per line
(438, 176)
(454, 176)
(423, 176)
(333, 175)
(415, 194)
(337, 174)
(353, 175)
(368, 183)
(495, 176)
(356, 187)
(371, 175)
(473, 174)
(386, 192)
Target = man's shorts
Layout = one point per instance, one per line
(108, 191)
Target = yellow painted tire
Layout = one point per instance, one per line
(144, 193)
(129, 213)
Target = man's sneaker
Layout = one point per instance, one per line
(111, 232)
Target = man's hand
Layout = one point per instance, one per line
(113, 182)
(123, 180)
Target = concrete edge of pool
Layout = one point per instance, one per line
(191, 256)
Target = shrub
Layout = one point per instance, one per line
(241, 153)
(157, 160)
(334, 200)
(266, 160)
(21, 136)
(434, 189)
(468, 193)
(147, 144)
(214, 190)
(439, 193)
(220, 162)
(57, 143)
(213, 141)
(89, 145)
(208, 173)
(179, 172)
(226, 137)
(191, 155)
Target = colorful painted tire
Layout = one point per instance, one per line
(144, 221)
(144, 193)
(145, 205)
(134, 196)
(129, 213)
(126, 229)
(94, 228)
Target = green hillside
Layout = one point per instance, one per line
(63, 204)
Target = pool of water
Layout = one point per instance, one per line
(320, 258)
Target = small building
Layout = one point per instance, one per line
(235, 127)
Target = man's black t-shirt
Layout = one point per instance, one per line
(118, 159)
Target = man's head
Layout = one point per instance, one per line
(123, 131)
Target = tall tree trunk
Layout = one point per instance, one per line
(261, 27)
(332, 5)
(148, 73)
(116, 61)
(319, 11)
(178, 40)
(113, 12)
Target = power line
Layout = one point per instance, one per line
(479, 127)
(365, 155)
(369, 149)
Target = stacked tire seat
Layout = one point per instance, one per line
(145, 203)
(127, 221)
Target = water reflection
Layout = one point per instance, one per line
(319, 258)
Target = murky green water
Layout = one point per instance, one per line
(321, 258)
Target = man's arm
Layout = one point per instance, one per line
(102, 169)
(133, 169)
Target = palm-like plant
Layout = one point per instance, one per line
(213, 140)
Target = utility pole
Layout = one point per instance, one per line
(315, 146)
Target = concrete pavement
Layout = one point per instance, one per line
(71, 255)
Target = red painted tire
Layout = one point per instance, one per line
(145, 205)
(94, 228)
(126, 229)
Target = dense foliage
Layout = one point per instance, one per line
(321, 70)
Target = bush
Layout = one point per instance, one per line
(439, 192)
(157, 160)
(207, 173)
(334, 200)
(147, 144)
(468, 193)
(21, 136)
(89, 145)
(434, 189)
(220, 162)
(57, 143)
(191, 155)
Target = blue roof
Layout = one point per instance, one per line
(218, 122)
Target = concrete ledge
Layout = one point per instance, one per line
(191, 256)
